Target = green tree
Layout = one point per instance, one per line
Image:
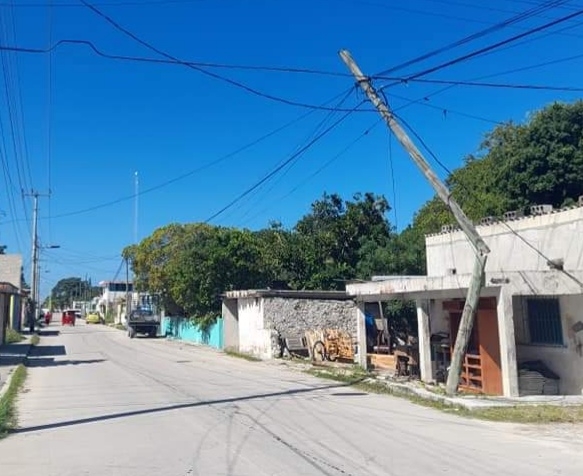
(71, 289)
(191, 265)
(337, 235)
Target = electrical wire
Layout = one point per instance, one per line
(288, 168)
(281, 166)
(320, 169)
(480, 34)
(195, 170)
(394, 187)
(292, 70)
(473, 195)
(49, 114)
(494, 46)
(166, 55)
(534, 87)
(198, 66)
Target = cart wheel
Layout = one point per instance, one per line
(332, 357)
(319, 351)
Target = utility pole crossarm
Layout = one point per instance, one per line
(442, 191)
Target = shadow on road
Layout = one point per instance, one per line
(47, 350)
(13, 354)
(51, 362)
(48, 333)
(115, 416)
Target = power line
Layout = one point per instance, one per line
(394, 187)
(196, 170)
(198, 66)
(534, 87)
(496, 45)
(319, 170)
(219, 77)
(49, 112)
(472, 194)
(104, 4)
(498, 26)
(316, 130)
(307, 71)
(278, 168)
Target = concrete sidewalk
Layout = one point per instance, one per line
(11, 356)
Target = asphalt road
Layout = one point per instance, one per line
(97, 403)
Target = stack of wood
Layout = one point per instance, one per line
(330, 344)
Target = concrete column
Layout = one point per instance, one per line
(230, 315)
(425, 366)
(507, 343)
(361, 357)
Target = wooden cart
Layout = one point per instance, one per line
(330, 345)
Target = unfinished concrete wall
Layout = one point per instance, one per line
(565, 360)
(254, 336)
(292, 317)
(230, 315)
(554, 234)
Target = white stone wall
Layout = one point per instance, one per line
(556, 235)
(291, 317)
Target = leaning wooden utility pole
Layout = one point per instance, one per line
(480, 248)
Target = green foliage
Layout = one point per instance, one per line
(539, 162)
(191, 265)
(13, 336)
(8, 416)
(71, 289)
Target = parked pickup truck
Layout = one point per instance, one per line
(143, 321)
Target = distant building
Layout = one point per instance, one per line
(13, 307)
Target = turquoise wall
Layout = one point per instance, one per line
(184, 329)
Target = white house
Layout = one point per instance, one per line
(11, 276)
(529, 326)
(113, 297)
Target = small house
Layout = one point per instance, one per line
(258, 322)
(527, 337)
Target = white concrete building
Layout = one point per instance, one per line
(531, 307)
(113, 297)
(11, 275)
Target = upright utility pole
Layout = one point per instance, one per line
(480, 248)
(128, 301)
(136, 189)
(34, 261)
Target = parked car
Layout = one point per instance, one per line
(143, 321)
(93, 318)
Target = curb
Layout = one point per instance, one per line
(8, 380)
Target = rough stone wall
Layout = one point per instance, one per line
(290, 317)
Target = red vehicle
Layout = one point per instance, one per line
(68, 317)
(48, 317)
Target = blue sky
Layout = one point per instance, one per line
(107, 119)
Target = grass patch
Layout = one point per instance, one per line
(539, 414)
(8, 417)
(242, 355)
(12, 336)
(35, 339)
(532, 414)
(120, 327)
